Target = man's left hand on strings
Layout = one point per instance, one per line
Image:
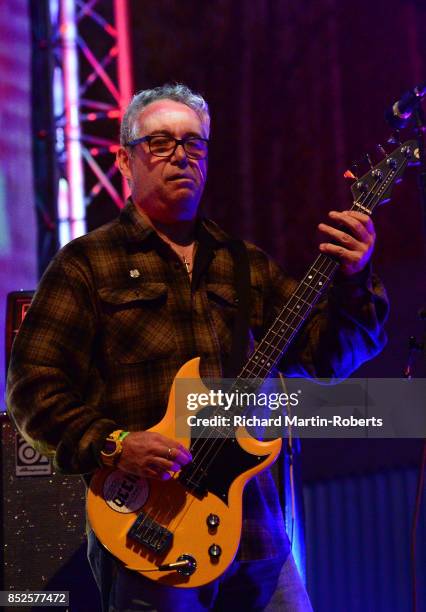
(353, 249)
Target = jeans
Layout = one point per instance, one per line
(272, 585)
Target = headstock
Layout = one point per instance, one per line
(375, 186)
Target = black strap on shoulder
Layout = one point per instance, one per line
(240, 333)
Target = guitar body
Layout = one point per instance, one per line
(147, 523)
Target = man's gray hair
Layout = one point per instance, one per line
(177, 92)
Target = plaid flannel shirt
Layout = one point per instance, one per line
(114, 318)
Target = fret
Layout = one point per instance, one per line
(361, 208)
(283, 324)
(253, 371)
(262, 359)
(274, 353)
(323, 265)
(261, 373)
(314, 279)
(320, 273)
(265, 341)
(283, 328)
(267, 363)
(269, 356)
(295, 301)
(287, 336)
(314, 285)
(277, 342)
(304, 301)
(298, 309)
(298, 313)
(310, 281)
(288, 326)
(276, 332)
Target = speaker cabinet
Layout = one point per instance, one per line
(42, 513)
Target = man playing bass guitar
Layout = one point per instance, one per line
(118, 312)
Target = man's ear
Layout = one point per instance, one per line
(123, 162)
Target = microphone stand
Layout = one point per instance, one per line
(420, 127)
(414, 346)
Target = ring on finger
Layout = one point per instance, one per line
(170, 454)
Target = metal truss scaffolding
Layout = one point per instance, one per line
(89, 85)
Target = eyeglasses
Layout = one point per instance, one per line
(163, 145)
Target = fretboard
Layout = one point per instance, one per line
(291, 317)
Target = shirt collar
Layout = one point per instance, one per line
(138, 228)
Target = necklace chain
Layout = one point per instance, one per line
(182, 255)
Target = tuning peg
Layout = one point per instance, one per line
(353, 171)
(381, 149)
(349, 175)
(394, 138)
(368, 158)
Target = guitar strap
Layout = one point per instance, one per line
(241, 268)
(240, 333)
(238, 356)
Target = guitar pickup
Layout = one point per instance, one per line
(194, 480)
(147, 532)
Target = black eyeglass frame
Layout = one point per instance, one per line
(178, 141)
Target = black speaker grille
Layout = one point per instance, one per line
(43, 524)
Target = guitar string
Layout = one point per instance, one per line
(329, 263)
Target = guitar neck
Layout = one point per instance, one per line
(291, 317)
(297, 309)
(372, 189)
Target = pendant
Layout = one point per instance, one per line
(186, 263)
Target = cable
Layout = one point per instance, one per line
(414, 525)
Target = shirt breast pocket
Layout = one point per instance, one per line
(137, 323)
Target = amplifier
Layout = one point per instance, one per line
(42, 513)
(17, 305)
